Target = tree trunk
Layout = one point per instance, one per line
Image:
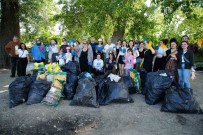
(9, 26)
(118, 34)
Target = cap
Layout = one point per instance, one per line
(100, 40)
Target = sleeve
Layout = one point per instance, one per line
(94, 63)
(102, 63)
(7, 48)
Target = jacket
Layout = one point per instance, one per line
(10, 48)
(90, 52)
(189, 55)
(37, 53)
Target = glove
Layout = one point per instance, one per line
(157, 48)
(120, 49)
(73, 53)
(90, 63)
(141, 64)
(134, 49)
(150, 45)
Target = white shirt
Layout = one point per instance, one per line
(98, 63)
(55, 49)
(108, 48)
(68, 57)
(22, 54)
(160, 52)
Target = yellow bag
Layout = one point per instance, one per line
(41, 75)
(57, 68)
(38, 65)
(57, 84)
(48, 67)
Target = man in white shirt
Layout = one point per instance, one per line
(109, 48)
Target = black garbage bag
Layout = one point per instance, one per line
(38, 91)
(128, 81)
(71, 67)
(85, 93)
(70, 87)
(156, 85)
(113, 92)
(143, 75)
(18, 90)
(180, 101)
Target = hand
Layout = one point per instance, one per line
(173, 55)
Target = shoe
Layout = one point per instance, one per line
(12, 76)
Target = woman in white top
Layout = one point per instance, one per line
(98, 65)
(121, 57)
(23, 59)
(160, 56)
(55, 51)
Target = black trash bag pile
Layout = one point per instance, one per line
(143, 76)
(85, 93)
(128, 81)
(70, 87)
(180, 101)
(156, 85)
(38, 91)
(18, 90)
(113, 92)
(71, 67)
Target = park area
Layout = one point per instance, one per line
(113, 119)
(59, 89)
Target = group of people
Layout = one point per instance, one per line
(119, 58)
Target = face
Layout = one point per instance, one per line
(53, 42)
(100, 42)
(124, 43)
(185, 38)
(85, 44)
(184, 45)
(92, 39)
(141, 44)
(109, 41)
(15, 39)
(173, 45)
(23, 46)
(130, 43)
(38, 41)
(84, 39)
(98, 57)
(161, 42)
(119, 42)
(129, 53)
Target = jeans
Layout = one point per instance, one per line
(184, 77)
(21, 66)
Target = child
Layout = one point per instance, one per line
(129, 61)
(98, 65)
(60, 58)
(68, 55)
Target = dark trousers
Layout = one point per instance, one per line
(159, 64)
(38, 61)
(21, 66)
(13, 65)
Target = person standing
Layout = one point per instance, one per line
(148, 57)
(139, 59)
(85, 57)
(93, 45)
(10, 49)
(23, 59)
(129, 62)
(99, 48)
(171, 62)
(38, 52)
(55, 51)
(160, 56)
(109, 48)
(64, 45)
(185, 60)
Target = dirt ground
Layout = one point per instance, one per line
(136, 118)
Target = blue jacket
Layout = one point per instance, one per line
(36, 53)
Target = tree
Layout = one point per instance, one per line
(116, 18)
(9, 26)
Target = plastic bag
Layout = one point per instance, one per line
(60, 76)
(49, 76)
(57, 68)
(136, 78)
(143, 75)
(128, 81)
(38, 65)
(156, 85)
(70, 87)
(85, 93)
(71, 67)
(180, 101)
(38, 91)
(48, 67)
(113, 92)
(53, 96)
(41, 75)
(18, 90)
